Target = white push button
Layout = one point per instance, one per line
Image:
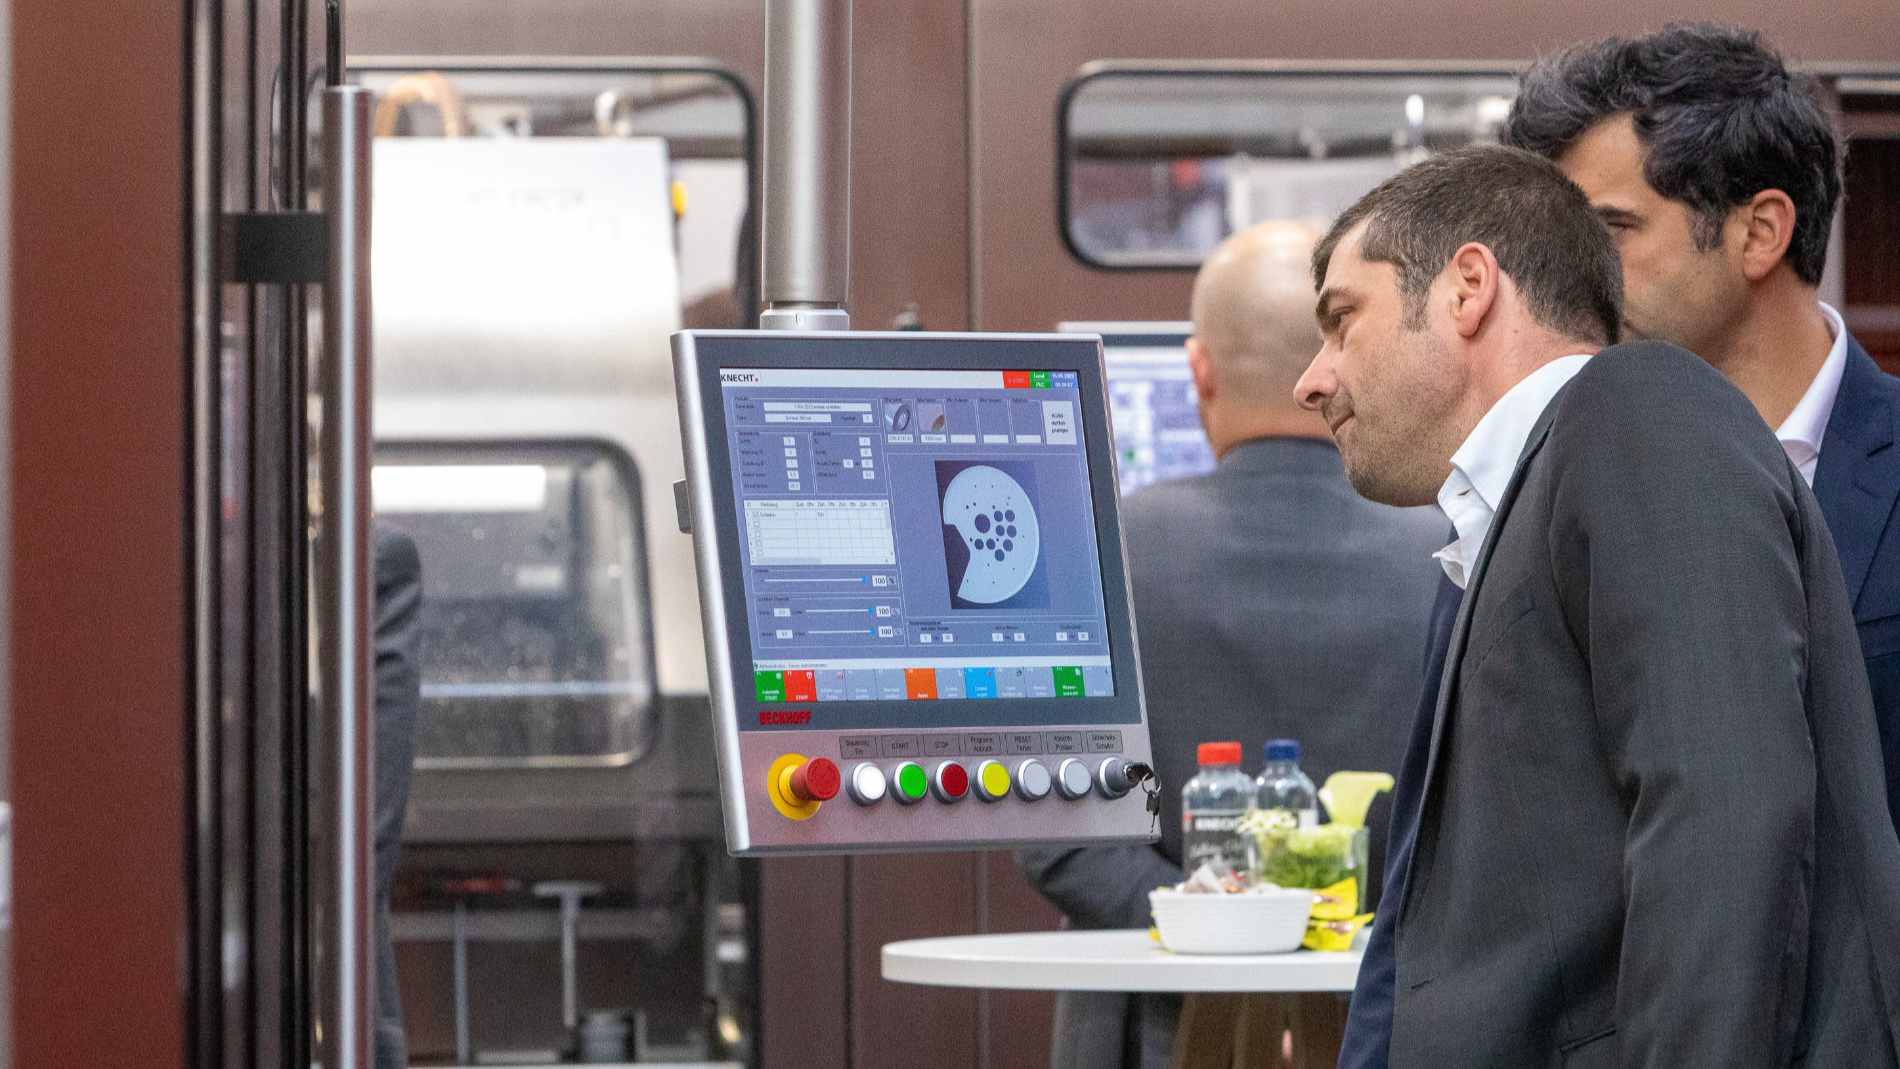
(1033, 781)
(867, 784)
(1073, 779)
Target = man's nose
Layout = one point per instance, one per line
(1317, 383)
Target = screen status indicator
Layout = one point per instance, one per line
(916, 535)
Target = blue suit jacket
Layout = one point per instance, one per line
(1857, 482)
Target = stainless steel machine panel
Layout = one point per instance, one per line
(524, 291)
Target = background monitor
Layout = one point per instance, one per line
(1152, 401)
(913, 584)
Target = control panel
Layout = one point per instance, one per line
(917, 617)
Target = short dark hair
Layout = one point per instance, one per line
(1720, 114)
(1536, 222)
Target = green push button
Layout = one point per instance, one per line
(910, 782)
(770, 686)
(1068, 682)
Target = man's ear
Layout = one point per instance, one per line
(1203, 367)
(1766, 223)
(1472, 279)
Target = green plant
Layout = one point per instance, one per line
(1292, 856)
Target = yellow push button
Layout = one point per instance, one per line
(992, 781)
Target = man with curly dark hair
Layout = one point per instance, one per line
(1718, 172)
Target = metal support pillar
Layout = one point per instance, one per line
(806, 256)
(345, 593)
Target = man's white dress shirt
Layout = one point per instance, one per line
(1801, 432)
(1482, 467)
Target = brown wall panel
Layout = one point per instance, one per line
(98, 684)
(805, 963)
(910, 896)
(909, 168)
(1026, 49)
(1016, 1024)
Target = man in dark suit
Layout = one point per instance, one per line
(1652, 828)
(1718, 173)
(1270, 601)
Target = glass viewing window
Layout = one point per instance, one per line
(536, 647)
(1157, 163)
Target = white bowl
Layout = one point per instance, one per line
(1272, 921)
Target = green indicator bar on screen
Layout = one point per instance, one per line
(910, 781)
(1038, 380)
(1068, 682)
(770, 686)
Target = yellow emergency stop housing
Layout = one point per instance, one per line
(778, 787)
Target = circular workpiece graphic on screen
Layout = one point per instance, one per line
(996, 519)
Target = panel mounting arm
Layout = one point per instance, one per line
(806, 232)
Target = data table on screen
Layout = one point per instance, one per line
(810, 532)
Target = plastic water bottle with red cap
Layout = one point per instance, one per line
(1212, 805)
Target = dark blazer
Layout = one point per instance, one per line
(1271, 601)
(1653, 829)
(1367, 1041)
(1857, 482)
(398, 694)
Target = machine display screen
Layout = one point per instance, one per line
(914, 530)
(1152, 401)
(1156, 410)
(917, 535)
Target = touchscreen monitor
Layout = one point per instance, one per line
(1152, 400)
(911, 559)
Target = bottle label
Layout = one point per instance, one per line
(1214, 839)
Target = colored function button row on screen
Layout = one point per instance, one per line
(933, 684)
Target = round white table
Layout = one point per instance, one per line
(1108, 961)
(1253, 1011)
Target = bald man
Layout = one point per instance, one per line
(1271, 601)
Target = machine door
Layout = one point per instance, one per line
(542, 226)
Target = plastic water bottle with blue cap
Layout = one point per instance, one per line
(1282, 786)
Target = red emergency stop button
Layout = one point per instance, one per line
(817, 780)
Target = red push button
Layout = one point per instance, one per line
(817, 780)
(949, 782)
